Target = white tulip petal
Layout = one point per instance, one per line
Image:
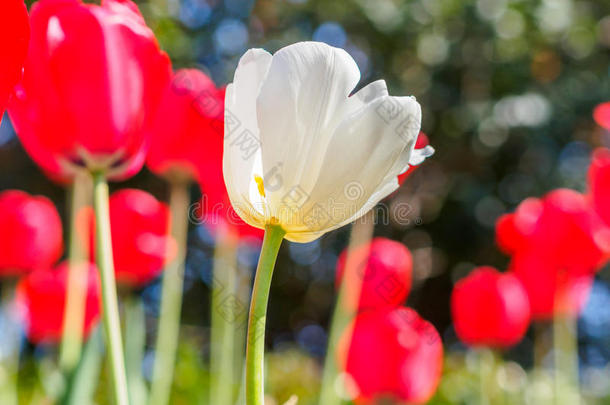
(299, 106)
(366, 153)
(242, 138)
(419, 155)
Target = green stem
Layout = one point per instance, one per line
(135, 340)
(255, 350)
(76, 295)
(171, 300)
(224, 315)
(83, 381)
(566, 361)
(9, 389)
(487, 373)
(105, 264)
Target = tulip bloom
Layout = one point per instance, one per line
(141, 244)
(490, 308)
(304, 153)
(31, 233)
(14, 31)
(92, 79)
(599, 183)
(557, 243)
(392, 353)
(385, 276)
(41, 300)
(188, 121)
(601, 114)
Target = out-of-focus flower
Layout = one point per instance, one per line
(392, 353)
(490, 308)
(301, 151)
(601, 115)
(189, 120)
(92, 79)
(141, 243)
(14, 31)
(420, 153)
(385, 275)
(599, 182)
(561, 227)
(31, 233)
(557, 243)
(41, 300)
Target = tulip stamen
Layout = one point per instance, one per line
(260, 184)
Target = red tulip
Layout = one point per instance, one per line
(599, 182)
(557, 244)
(190, 116)
(41, 301)
(141, 244)
(601, 114)
(385, 275)
(392, 353)
(490, 308)
(31, 235)
(421, 143)
(561, 227)
(14, 31)
(93, 78)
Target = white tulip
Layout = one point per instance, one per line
(302, 151)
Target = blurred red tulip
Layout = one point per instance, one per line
(14, 31)
(190, 115)
(41, 300)
(141, 244)
(31, 233)
(562, 227)
(422, 142)
(601, 114)
(557, 244)
(385, 275)
(490, 308)
(93, 78)
(599, 182)
(392, 353)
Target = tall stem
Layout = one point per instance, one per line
(135, 340)
(362, 232)
(566, 360)
(225, 305)
(76, 295)
(105, 264)
(9, 388)
(171, 299)
(255, 350)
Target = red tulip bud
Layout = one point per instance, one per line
(141, 244)
(41, 300)
(31, 233)
(392, 353)
(601, 114)
(385, 273)
(189, 121)
(490, 308)
(92, 80)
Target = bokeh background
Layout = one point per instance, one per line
(507, 89)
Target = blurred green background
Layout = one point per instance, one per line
(507, 89)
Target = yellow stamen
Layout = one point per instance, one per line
(260, 184)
